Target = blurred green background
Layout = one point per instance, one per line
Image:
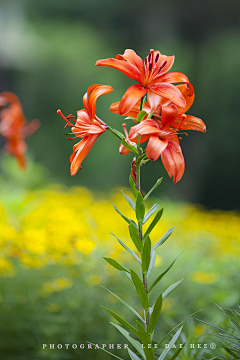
(53, 237)
(48, 51)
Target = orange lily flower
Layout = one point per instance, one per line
(161, 130)
(13, 126)
(88, 126)
(151, 75)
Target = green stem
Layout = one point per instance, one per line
(139, 158)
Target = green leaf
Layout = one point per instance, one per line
(153, 223)
(150, 115)
(128, 146)
(140, 208)
(129, 277)
(141, 115)
(129, 250)
(182, 322)
(115, 264)
(130, 118)
(135, 237)
(145, 339)
(143, 99)
(146, 255)
(171, 288)
(150, 212)
(155, 314)
(123, 216)
(153, 188)
(152, 263)
(132, 341)
(125, 304)
(133, 186)
(129, 200)
(105, 350)
(171, 343)
(140, 290)
(175, 355)
(164, 238)
(116, 132)
(121, 320)
(132, 355)
(162, 274)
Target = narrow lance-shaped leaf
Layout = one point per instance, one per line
(145, 339)
(146, 255)
(153, 188)
(175, 355)
(152, 263)
(150, 212)
(162, 274)
(130, 118)
(133, 187)
(123, 216)
(155, 314)
(128, 146)
(132, 341)
(115, 264)
(163, 239)
(129, 201)
(171, 343)
(141, 115)
(140, 208)
(153, 223)
(132, 355)
(125, 304)
(128, 249)
(122, 321)
(150, 115)
(140, 290)
(171, 288)
(116, 132)
(143, 99)
(135, 237)
(171, 331)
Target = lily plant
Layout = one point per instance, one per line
(157, 109)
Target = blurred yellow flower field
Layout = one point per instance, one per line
(60, 224)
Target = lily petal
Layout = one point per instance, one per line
(125, 67)
(86, 98)
(155, 147)
(81, 151)
(146, 127)
(98, 91)
(173, 161)
(154, 101)
(134, 59)
(170, 92)
(189, 122)
(168, 114)
(173, 77)
(163, 65)
(130, 98)
(135, 110)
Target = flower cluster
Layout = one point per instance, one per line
(155, 104)
(13, 126)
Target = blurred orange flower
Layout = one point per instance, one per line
(88, 126)
(161, 130)
(151, 75)
(13, 126)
